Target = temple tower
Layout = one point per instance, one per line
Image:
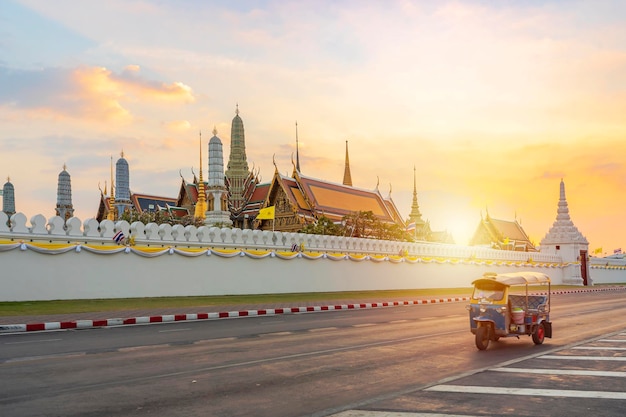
(217, 204)
(297, 150)
(64, 208)
(421, 228)
(111, 199)
(201, 204)
(8, 198)
(347, 177)
(566, 240)
(237, 172)
(122, 190)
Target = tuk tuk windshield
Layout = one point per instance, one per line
(493, 291)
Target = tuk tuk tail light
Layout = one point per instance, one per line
(483, 309)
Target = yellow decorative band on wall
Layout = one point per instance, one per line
(151, 252)
(618, 267)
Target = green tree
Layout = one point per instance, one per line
(323, 226)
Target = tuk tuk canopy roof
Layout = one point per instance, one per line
(514, 278)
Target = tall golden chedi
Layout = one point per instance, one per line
(201, 206)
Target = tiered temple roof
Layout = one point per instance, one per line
(502, 234)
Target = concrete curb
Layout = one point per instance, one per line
(168, 318)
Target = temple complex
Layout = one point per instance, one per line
(233, 197)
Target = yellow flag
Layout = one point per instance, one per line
(266, 213)
(598, 250)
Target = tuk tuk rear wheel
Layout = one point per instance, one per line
(482, 337)
(539, 334)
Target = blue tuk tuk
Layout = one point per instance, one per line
(501, 306)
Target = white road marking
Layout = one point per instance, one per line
(174, 330)
(398, 321)
(583, 358)
(32, 341)
(276, 334)
(222, 339)
(561, 372)
(365, 413)
(323, 329)
(364, 325)
(612, 340)
(529, 392)
(598, 348)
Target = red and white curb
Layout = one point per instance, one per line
(87, 324)
(168, 318)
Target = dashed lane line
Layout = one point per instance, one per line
(323, 329)
(32, 341)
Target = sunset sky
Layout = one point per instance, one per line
(493, 102)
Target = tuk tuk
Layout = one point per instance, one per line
(501, 306)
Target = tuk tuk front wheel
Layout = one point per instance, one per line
(539, 334)
(482, 337)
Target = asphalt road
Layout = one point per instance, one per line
(350, 363)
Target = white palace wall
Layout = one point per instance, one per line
(49, 260)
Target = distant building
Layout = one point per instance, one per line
(300, 200)
(217, 195)
(8, 198)
(64, 207)
(418, 227)
(240, 181)
(501, 234)
(113, 204)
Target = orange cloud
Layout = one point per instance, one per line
(86, 93)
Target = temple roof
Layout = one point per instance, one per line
(256, 200)
(503, 234)
(312, 197)
(143, 202)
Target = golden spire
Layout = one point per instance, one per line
(111, 214)
(297, 149)
(201, 205)
(347, 178)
